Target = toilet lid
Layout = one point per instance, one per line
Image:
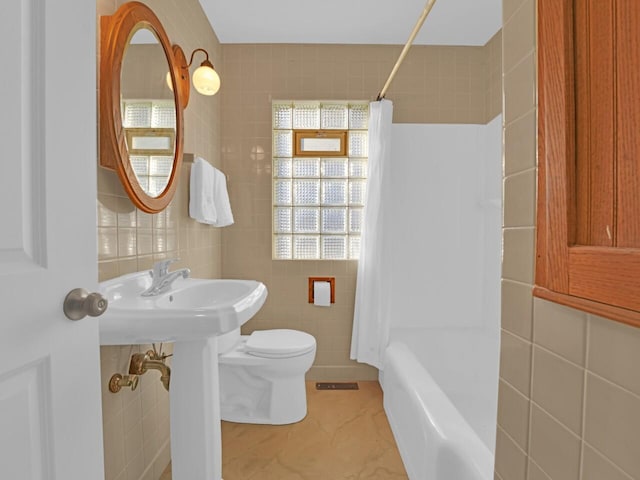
(279, 343)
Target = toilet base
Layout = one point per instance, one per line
(246, 398)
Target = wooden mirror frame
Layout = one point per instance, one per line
(115, 32)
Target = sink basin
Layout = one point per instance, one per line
(193, 309)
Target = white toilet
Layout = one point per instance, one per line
(262, 375)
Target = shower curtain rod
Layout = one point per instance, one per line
(405, 50)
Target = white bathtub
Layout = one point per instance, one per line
(435, 441)
(440, 370)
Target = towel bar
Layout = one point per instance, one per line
(190, 158)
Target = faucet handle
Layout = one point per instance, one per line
(161, 268)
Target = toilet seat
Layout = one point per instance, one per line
(279, 343)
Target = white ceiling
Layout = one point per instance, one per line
(451, 22)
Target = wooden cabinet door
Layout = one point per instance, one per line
(588, 238)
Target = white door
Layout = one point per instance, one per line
(50, 401)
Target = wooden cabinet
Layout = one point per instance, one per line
(588, 217)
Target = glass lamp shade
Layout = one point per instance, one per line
(206, 80)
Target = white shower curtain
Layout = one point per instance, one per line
(371, 320)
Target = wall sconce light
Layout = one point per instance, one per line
(205, 79)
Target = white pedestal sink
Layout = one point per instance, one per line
(191, 314)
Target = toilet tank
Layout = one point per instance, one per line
(227, 341)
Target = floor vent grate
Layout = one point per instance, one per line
(336, 386)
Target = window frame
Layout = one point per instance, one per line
(299, 135)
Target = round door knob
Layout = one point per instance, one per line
(80, 303)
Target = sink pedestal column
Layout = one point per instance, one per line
(196, 444)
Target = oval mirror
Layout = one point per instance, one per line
(140, 113)
(148, 112)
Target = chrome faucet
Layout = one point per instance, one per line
(162, 278)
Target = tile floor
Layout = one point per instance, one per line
(345, 436)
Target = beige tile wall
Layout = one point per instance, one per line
(569, 396)
(434, 85)
(136, 424)
(493, 97)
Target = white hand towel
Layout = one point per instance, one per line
(201, 205)
(221, 200)
(208, 197)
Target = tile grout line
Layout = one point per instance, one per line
(587, 349)
(531, 373)
(614, 465)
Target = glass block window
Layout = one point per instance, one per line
(152, 171)
(318, 202)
